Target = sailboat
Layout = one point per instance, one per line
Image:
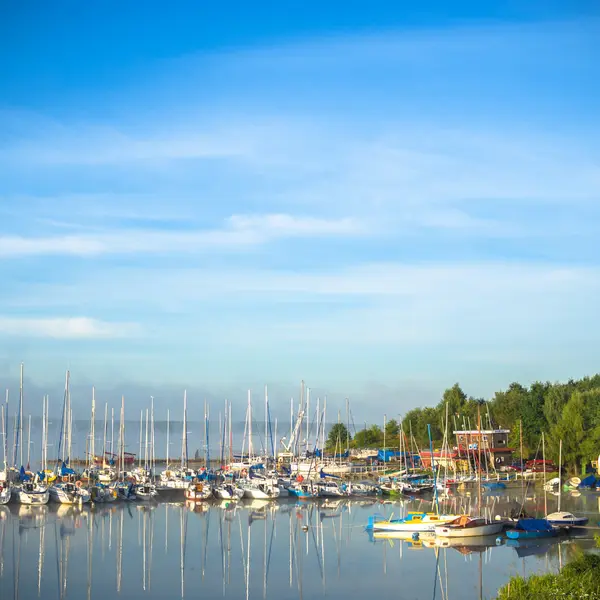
(29, 492)
(466, 526)
(179, 479)
(5, 485)
(563, 518)
(413, 522)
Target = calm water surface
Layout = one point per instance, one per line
(259, 550)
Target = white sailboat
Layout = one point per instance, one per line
(179, 479)
(5, 485)
(29, 492)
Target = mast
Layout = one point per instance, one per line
(307, 416)
(479, 450)
(266, 422)
(43, 453)
(69, 417)
(4, 442)
(559, 472)
(521, 451)
(168, 428)
(29, 443)
(141, 436)
(324, 423)
(184, 459)
(207, 432)
(544, 463)
(250, 448)
(122, 436)
(230, 434)
(21, 412)
(105, 427)
(93, 428)
(112, 436)
(146, 446)
(347, 424)
(152, 454)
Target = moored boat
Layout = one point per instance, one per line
(566, 519)
(466, 526)
(196, 492)
(31, 494)
(532, 528)
(414, 521)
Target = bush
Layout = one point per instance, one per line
(579, 579)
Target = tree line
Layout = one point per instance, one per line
(562, 411)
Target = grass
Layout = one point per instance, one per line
(578, 580)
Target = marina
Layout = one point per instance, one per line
(260, 549)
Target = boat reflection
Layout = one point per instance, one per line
(248, 548)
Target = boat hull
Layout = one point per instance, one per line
(447, 531)
(516, 534)
(33, 498)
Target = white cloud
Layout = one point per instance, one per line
(64, 328)
(240, 231)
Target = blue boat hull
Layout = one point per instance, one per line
(518, 534)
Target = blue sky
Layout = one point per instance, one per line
(379, 199)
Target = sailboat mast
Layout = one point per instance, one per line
(141, 437)
(307, 416)
(184, 436)
(112, 434)
(105, 428)
(4, 442)
(146, 447)
(544, 463)
(559, 472)
(122, 448)
(347, 423)
(29, 442)
(479, 450)
(152, 455)
(168, 428)
(21, 412)
(230, 435)
(93, 428)
(266, 422)
(250, 449)
(69, 416)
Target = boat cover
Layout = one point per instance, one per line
(534, 525)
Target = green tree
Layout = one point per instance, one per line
(370, 437)
(456, 400)
(338, 436)
(392, 430)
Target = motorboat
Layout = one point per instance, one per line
(414, 521)
(466, 526)
(532, 528)
(566, 519)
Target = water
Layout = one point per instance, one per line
(256, 549)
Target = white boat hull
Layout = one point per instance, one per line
(198, 493)
(223, 493)
(270, 493)
(37, 498)
(5, 495)
(462, 532)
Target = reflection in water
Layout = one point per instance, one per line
(256, 549)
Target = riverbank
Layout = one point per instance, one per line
(578, 579)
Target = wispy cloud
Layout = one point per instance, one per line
(65, 328)
(239, 231)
